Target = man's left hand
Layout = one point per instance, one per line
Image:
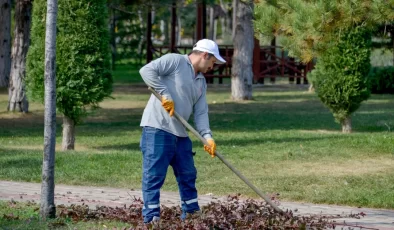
(168, 105)
(211, 148)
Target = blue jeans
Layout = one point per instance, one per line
(161, 149)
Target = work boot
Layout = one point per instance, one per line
(154, 220)
(193, 215)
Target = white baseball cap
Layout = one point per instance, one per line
(211, 47)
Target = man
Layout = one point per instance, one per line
(164, 141)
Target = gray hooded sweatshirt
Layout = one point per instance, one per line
(172, 76)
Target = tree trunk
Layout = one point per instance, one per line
(224, 26)
(347, 125)
(311, 88)
(68, 134)
(211, 21)
(215, 29)
(234, 21)
(225, 21)
(178, 30)
(17, 94)
(143, 39)
(47, 207)
(166, 31)
(242, 72)
(5, 42)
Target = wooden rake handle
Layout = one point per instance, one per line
(242, 177)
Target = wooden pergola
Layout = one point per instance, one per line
(268, 61)
(200, 29)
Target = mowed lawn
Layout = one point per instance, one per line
(284, 141)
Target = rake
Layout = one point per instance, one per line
(242, 177)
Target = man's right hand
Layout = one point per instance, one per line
(168, 105)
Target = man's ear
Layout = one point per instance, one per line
(206, 55)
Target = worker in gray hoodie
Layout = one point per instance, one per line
(180, 82)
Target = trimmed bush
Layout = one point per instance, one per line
(340, 76)
(83, 78)
(381, 79)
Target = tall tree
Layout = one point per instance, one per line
(242, 73)
(5, 42)
(334, 32)
(16, 92)
(48, 208)
(82, 60)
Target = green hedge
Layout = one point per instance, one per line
(381, 79)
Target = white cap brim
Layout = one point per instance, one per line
(219, 58)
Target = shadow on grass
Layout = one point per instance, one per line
(267, 112)
(33, 223)
(300, 97)
(103, 122)
(120, 147)
(304, 115)
(279, 140)
(20, 164)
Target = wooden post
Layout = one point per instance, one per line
(256, 61)
(308, 68)
(303, 73)
(201, 31)
(201, 21)
(282, 65)
(273, 59)
(292, 73)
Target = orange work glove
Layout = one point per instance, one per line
(211, 148)
(168, 105)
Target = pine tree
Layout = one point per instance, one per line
(337, 33)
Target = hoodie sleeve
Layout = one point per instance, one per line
(201, 118)
(161, 67)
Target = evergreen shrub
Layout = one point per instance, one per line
(83, 77)
(340, 75)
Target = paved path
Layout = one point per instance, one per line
(92, 196)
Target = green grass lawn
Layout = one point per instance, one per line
(284, 141)
(127, 73)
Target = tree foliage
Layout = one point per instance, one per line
(307, 28)
(337, 33)
(82, 56)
